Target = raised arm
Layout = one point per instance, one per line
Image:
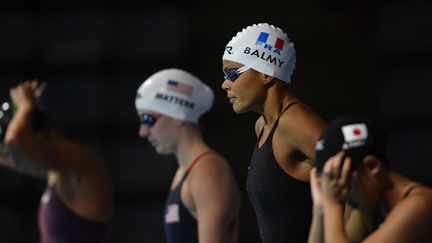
(25, 97)
(45, 149)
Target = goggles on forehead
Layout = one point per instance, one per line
(148, 119)
(232, 74)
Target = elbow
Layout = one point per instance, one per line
(10, 139)
(13, 138)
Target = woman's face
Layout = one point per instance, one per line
(245, 91)
(357, 195)
(159, 130)
(364, 187)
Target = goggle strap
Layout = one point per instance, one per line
(243, 69)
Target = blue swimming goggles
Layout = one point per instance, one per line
(148, 119)
(232, 74)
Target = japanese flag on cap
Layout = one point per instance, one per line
(355, 132)
(356, 136)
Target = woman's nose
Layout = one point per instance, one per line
(226, 85)
(144, 130)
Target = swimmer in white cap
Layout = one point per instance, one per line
(258, 64)
(203, 203)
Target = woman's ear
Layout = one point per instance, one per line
(372, 164)
(179, 122)
(268, 80)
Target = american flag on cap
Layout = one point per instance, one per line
(178, 87)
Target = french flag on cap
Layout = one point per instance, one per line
(266, 38)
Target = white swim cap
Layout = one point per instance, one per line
(265, 48)
(175, 93)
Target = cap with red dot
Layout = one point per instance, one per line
(356, 136)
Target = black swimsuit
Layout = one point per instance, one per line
(282, 204)
(180, 225)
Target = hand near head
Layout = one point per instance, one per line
(316, 189)
(335, 179)
(27, 94)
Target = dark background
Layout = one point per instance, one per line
(370, 58)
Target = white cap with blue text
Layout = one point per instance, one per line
(265, 48)
(175, 93)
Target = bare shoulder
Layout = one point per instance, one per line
(417, 204)
(212, 182)
(213, 174)
(411, 218)
(72, 156)
(211, 167)
(84, 182)
(420, 202)
(408, 221)
(298, 116)
(300, 127)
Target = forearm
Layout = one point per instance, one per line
(316, 232)
(334, 229)
(32, 169)
(21, 143)
(20, 140)
(19, 125)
